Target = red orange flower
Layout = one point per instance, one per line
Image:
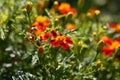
(111, 46)
(65, 8)
(45, 36)
(41, 23)
(115, 26)
(60, 40)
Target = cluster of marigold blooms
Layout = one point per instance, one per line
(112, 44)
(56, 39)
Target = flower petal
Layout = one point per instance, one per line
(107, 40)
(54, 34)
(66, 46)
(68, 40)
(54, 43)
(112, 25)
(107, 51)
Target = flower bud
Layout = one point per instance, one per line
(80, 43)
(94, 34)
(24, 10)
(29, 6)
(40, 7)
(105, 27)
(97, 12)
(41, 50)
(100, 64)
(56, 3)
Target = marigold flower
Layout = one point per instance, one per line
(65, 8)
(41, 23)
(61, 40)
(45, 36)
(112, 45)
(70, 27)
(115, 26)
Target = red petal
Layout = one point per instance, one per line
(107, 51)
(113, 25)
(64, 12)
(45, 36)
(54, 34)
(54, 43)
(68, 40)
(73, 11)
(107, 40)
(66, 46)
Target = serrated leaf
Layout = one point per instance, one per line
(2, 35)
(35, 59)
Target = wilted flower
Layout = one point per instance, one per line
(60, 40)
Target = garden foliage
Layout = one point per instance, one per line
(58, 40)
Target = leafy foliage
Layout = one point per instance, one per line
(58, 40)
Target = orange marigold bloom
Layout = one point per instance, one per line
(60, 40)
(41, 23)
(115, 26)
(65, 8)
(70, 27)
(111, 46)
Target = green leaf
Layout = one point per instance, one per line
(35, 59)
(2, 34)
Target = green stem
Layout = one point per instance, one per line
(29, 19)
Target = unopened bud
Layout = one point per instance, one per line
(80, 43)
(41, 50)
(100, 64)
(24, 10)
(97, 12)
(89, 14)
(56, 3)
(105, 27)
(94, 34)
(29, 6)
